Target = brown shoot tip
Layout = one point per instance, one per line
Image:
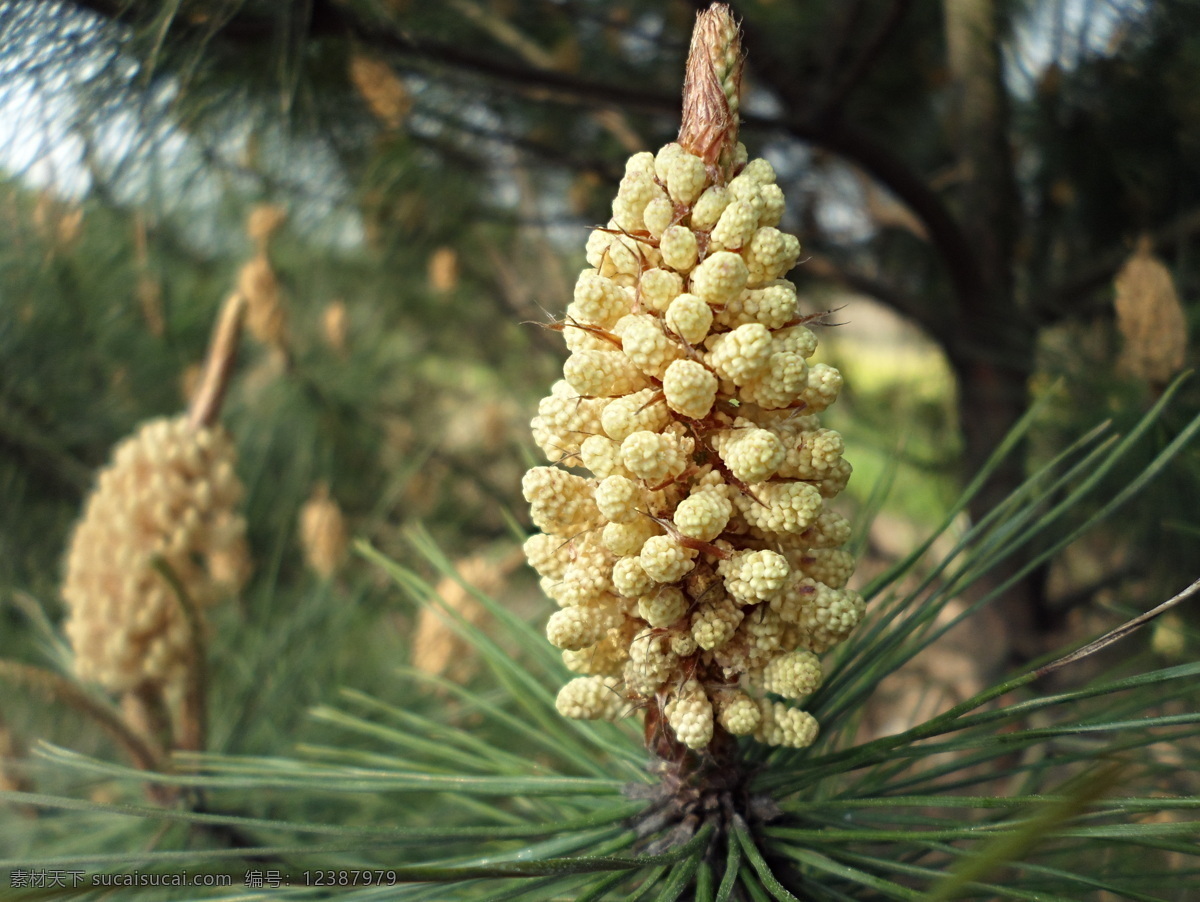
(712, 87)
(218, 366)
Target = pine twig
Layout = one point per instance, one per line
(146, 713)
(42, 450)
(1119, 633)
(218, 366)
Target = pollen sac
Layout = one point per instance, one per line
(658, 216)
(663, 607)
(708, 209)
(665, 560)
(751, 454)
(737, 712)
(638, 411)
(720, 278)
(590, 698)
(598, 301)
(735, 227)
(679, 248)
(689, 388)
(690, 546)
(773, 306)
(769, 254)
(686, 178)
(659, 287)
(754, 576)
(690, 714)
(647, 344)
(604, 374)
(703, 515)
(653, 457)
(690, 318)
(618, 498)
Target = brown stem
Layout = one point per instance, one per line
(60, 689)
(191, 728)
(146, 713)
(222, 351)
(720, 755)
(693, 786)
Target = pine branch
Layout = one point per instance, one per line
(832, 133)
(843, 21)
(59, 689)
(1119, 633)
(875, 47)
(829, 130)
(945, 233)
(249, 30)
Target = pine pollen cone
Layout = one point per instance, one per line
(698, 567)
(323, 534)
(167, 502)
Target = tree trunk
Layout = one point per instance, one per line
(994, 341)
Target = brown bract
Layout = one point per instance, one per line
(709, 128)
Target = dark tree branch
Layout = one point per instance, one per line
(330, 20)
(824, 267)
(845, 21)
(20, 434)
(1063, 298)
(832, 133)
(867, 57)
(893, 173)
(519, 301)
(604, 167)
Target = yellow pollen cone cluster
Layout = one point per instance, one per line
(168, 500)
(697, 565)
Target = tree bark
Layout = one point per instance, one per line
(994, 341)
